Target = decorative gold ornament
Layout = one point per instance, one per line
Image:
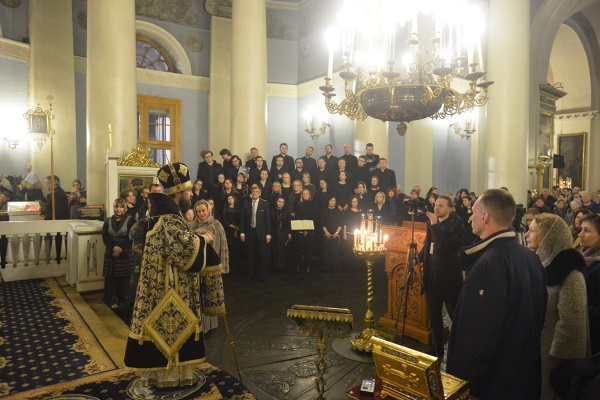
(137, 157)
(39, 123)
(409, 374)
(374, 87)
(322, 322)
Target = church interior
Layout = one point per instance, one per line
(238, 74)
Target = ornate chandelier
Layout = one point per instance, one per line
(373, 83)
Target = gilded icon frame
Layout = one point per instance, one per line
(573, 147)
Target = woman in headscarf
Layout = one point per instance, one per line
(205, 222)
(565, 331)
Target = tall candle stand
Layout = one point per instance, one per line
(369, 245)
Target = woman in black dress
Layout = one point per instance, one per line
(240, 185)
(381, 208)
(373, 189)
(118, 256)
(343, 191)
(465, 213)
(331, 226)
(430, 202)
(275, 194)
(281, 235)
(264, 183)
(351, 222)
(294, 197)
(304, 240)
(232, 215)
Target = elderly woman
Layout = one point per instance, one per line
(205, 222)
(565, 331)
(590, 243)
(118, 256)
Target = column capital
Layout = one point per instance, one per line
(218, 8)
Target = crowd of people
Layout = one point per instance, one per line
(275, 219)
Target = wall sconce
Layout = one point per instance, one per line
(468, 131)
(310, 125)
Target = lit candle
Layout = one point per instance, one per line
(109, 136)
(356, 238)
(330, 64)
(481, 68)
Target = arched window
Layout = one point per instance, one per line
(150, 56)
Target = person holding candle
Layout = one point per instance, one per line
(331, 224)
(442, 274)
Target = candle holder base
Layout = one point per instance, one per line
(363, 341)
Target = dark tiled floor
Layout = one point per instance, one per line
(276, 361)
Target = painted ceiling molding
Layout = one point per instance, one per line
(218, 8)
(176, 11)
(591, 114)
(11, 3)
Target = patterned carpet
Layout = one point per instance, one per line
(113, 385)
(43, 339)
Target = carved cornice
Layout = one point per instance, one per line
(14, 50)
(281, 90)
(169, 79)
(553, 92)
(591, 114)
(137, 157)
(218, 8)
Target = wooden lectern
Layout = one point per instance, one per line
(395, 264)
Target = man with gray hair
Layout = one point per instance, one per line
(495, 341)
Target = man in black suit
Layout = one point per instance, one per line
(362, 172)
(251, 163)
(351, 160)
(288, 161)
(329, 158)
(297, 172)
(208, 170)
(255, 231)
(387, 177)
(310, 164)
(279, 169)
(259, 165)
(322, 173)
(372, 159)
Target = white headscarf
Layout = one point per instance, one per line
(557, 239)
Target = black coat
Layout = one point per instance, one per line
(495, 341)
(62, 204)
(116, 233)
(208, 175)
(592, 283)
(263, 218)
(442, 266)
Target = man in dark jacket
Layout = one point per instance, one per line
(61, 202)
(495, 337)
(442, 267)
(208, 170)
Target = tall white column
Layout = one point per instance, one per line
(111, 87)
(508, 107)
(371, 130)
(219, 125)
(52, 72)
(419, 155)
(249, 76)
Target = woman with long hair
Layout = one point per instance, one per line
(393, 200)
(129, 197)
(304, 240)
(204, 222)
(590, 244)
(381, 208)
(307, 184)
(331, 225)
(286, 185)
(343, 191)
(77, 199)
(294, 197)
(465, 213)
(275, 194)
(351, 223)
(198, 191)
(430, 201)
(232, 215)
(118, 256)
(281, 235)
(576, 226)
(565, 331)
(240, 185)
(228, 188)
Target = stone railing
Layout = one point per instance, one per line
(40, 249)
